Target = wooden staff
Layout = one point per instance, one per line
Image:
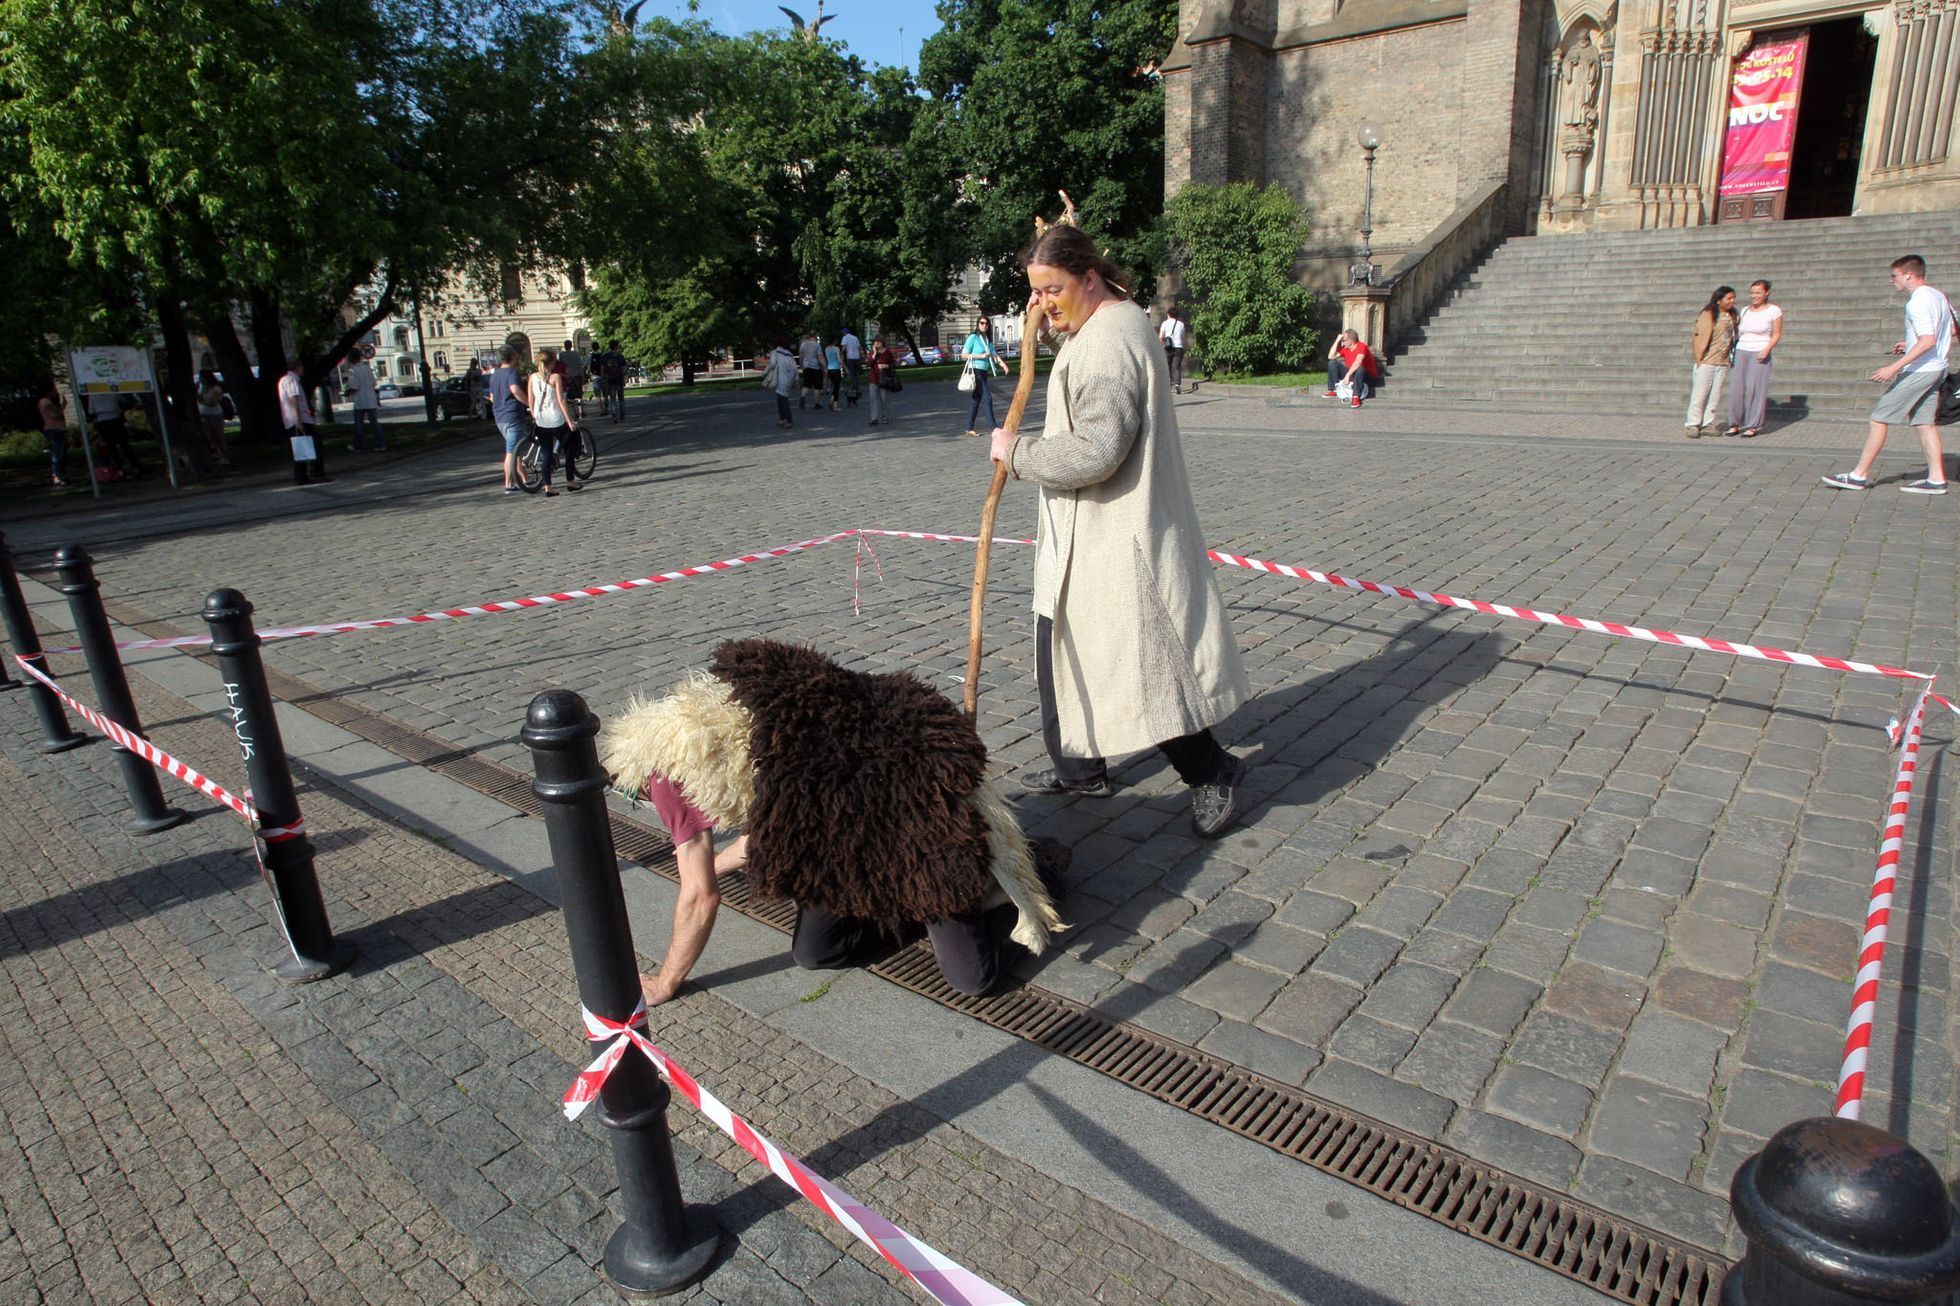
(1023, 387)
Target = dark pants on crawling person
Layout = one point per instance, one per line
(1197, 757)
(968, 947)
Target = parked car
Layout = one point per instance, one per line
(387, 390)
(460, 396)
(927, 354)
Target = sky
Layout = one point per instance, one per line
(870, 29)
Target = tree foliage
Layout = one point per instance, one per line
(1235, 246)
(1035, 96)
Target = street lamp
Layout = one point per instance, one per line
(1370, 140)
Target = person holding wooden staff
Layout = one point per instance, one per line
(1133, 647)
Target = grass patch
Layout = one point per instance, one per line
(817, 992)
(1283, 379)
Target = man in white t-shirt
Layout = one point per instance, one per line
(367, 405)
(809, 361)
(853, 362)
(296, 412)
(1912, 384)
(1175, 335)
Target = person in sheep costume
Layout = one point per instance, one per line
(863, 798)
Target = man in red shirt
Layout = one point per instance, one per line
(1350, 358)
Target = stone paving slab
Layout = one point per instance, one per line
(1486, 847)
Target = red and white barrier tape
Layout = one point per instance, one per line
(928, 535)
(491, 609)
(1704, 642)
(1871, 948)
(943, 1279)
(163, 761)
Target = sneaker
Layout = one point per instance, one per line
(573, 486)
(1214, 805)
(1924, 487)
(1049, 781)
(1329, 394)
(1692, 432)
(1355, 402)
(1848, 481)
(512, 489)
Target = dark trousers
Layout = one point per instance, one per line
(1196, 757)
(982, 390)
(366, 421)
(1337, 368)
(783, 414)
(115, 438)
(314, 468)
(968, 947)
(854, 367)
(551, 440)
(1176, 358)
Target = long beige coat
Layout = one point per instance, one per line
(1143, 651)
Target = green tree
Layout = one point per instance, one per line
(243, 163)
(1035, 96)
(1235, 246)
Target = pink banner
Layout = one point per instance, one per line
(1763, 117)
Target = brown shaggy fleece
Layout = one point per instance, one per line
(859, 787)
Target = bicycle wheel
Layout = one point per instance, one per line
(585, 454)
(530, 463)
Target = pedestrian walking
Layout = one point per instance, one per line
(211, 412)
(853, 362)
(1132, 645)
(884, 382)
(1176, 335)
(614, 375)
(367, 406)
(105, 414)
(779, 378)
(1713, 351)
(809, 357)
(551, 412)
(54, 429)
(982, 362)
(510, 411)
(296, 412)
(1912, 384)
(1759, 328)
(572, 369)
(833, 361)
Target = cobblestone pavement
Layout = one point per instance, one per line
(1584, 908)
(176, 1126)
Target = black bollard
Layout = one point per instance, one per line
(288, 861)
(56, 734)
(663, 1246)
(1836, 1213)
(77, 572)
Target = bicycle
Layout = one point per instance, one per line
(530, 459)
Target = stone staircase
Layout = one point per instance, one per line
(1601, 323)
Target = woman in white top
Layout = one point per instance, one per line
(1758, 330)
(552, 415)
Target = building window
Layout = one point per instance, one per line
(442, 361)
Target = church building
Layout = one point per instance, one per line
(1503, 117)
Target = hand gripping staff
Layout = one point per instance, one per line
(1023, 388)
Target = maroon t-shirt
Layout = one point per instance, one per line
(683, 819)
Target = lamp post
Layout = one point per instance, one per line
(1364, 272)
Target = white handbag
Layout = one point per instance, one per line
(967, 383)
(303, 449)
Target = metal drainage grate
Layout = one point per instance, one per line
(1621, 1259)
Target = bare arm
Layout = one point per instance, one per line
(1775, 334)
(694, 918)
